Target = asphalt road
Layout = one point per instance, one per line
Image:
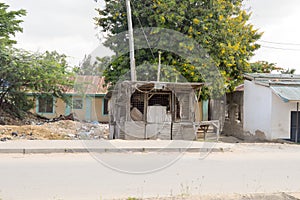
(247, 169)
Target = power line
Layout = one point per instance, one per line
(279, 48)
(143, 31)
(280, 43)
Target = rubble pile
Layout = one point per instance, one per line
(27, 119)
(58, 130)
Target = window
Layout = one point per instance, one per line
(105, 106)
(45, 104)
(77, 103)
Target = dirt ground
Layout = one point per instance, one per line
(69, 130)
(60, 130)
(33, 127)
(278, 196)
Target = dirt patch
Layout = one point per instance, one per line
(28, 118)
(277, 196)
(34, 127)
(60, 130)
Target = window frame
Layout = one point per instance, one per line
(38, 104)
(77, 99)
(105, 107)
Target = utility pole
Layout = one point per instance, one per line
(131, 42)
(159, 66)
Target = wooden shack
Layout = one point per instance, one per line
(154, 110)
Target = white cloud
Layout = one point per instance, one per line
(68, 27)
(63, 25)
(278, 20)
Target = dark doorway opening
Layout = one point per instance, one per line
(294, 126)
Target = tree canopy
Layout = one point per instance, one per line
(221, 27)
(89, 66)
(9, 24)
(264, 67)
(23, 72)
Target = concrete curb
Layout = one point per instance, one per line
(47, 147)
(127, 150)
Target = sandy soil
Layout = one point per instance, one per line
(277, 196)
(60, 130)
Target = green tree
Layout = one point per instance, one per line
(264, 67)
(39, 74)
(288, 71)
(89, 66)
(9, 24)
(221, 27)
(22, 72)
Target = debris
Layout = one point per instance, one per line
(34, 127)
(64, 129)
(5, 139)
(14, 134)
(71, 135)
(136, 115)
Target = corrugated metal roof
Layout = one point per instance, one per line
(88, 85)
(266, 76)
(287, 93)
(286, 86)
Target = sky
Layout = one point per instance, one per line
(278, 20)
(67, 26)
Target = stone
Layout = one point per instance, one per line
(14, 134)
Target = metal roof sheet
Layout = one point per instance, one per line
(267, 76)
(287, 93)
(88, 85)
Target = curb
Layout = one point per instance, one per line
(109, 150)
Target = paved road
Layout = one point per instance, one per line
(248, 169)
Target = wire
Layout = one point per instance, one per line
(279, 48)
(140, 23)
(280, 43)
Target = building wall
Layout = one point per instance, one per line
(92, 109)
(80, 113)
(257, 108)
(59, 109)
(281, 117)
(98, 109)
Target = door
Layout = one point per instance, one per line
(294, 125)
(68, 110)
(88, 111)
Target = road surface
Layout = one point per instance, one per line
(248, 168)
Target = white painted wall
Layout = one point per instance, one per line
(257, 108)
(281, 117)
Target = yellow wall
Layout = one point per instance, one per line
(79, 113)
(96, 109)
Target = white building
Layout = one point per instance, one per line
(271, 102)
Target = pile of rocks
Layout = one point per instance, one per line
(59, 130)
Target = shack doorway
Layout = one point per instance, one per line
(294, 126)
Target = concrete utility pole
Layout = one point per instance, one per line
(159, 66)
(131, 42)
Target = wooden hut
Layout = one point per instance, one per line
(154, 110)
